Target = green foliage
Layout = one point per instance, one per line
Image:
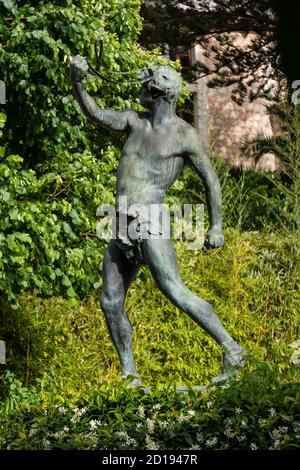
(48, 224)
(259, 410)
(250, 200)
(55, 167)
(287, 148)
(37, 43)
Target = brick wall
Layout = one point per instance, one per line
(229, 124)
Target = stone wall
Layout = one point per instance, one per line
(229, 124)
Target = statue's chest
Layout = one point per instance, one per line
(155, 143)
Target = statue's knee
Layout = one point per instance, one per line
(110, 305)
(176, 291)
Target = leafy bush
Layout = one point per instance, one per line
(286, 147)
(257, 411)
(250, 200)
(55, 167)
(38, 40)
(48, 227)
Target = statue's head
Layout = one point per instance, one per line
(159, 82)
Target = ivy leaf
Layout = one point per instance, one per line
(70, 292)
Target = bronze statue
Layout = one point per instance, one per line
(158, 145)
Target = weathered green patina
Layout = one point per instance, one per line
(159, 144)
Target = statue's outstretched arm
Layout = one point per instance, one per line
(108, 118)
(205, 170)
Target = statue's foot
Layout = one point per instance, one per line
(136, 382)
(132, 380)
(233, 360)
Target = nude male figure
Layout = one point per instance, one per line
(158, 145)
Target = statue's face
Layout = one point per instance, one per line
(159, 81)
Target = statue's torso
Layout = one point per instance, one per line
(152, 159)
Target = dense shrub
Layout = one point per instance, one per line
(48, 227)
(55, 167)
(257, 411)
(38, 40)
(251, 200)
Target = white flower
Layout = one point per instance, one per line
(46, 443)
(287, 418)
(277, 443)
(157, 407)
(150, 425)
(241, 438)
(209, 404)
(211, 442)
(225, 386)
(182, 419)
(228, 432)
(279, 433)
(296, 426)
(139, 426)
(195, 447)
(59, 434)
(62, 410)
(275, 434)
(131, 441)
(94, 424)
(200, 437)
(283, 429)
(272, 412)
(238, 411)
(122, 435)
(151, 445)
(253, 446)
(170, 425)
(191, 412)
(141, 411)
(163, 424)
(78, 413)
(33, 430)
(127, 440)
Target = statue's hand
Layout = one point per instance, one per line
(215, 238)
(78, 68)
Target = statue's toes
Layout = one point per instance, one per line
(231, 365)
(220, 378)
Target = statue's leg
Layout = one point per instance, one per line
(117, 274)
(161, 259)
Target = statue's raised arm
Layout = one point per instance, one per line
(108, 118)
